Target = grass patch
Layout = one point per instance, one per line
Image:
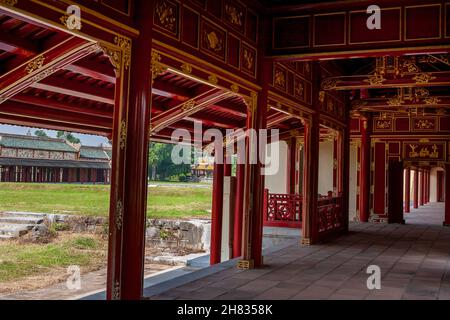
(23, 260)
(93, 200)
(84, 243)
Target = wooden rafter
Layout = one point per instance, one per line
(43, 65)
(187, 108)
(422, 79)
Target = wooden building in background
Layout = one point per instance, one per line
(36, 159)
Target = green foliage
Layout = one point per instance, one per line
(161, 167)
(60, 226)
(84, 243)
(165, 201)
(68, 136)
(41, 134)
(165, 234)
(22, 260)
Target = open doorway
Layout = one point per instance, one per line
(423, 195)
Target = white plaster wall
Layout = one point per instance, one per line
(433, 185)
(353, 182)
(325, 167)
(277, 183)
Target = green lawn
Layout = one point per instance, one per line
(93, 200)
(21, 260)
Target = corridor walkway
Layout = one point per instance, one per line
(414, 261)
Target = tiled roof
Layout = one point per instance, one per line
(93, 153)
(37, 143)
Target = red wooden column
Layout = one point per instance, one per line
(447, 195)
(257, 196)
(422, 188)
(129, 162)
(416, 188)
(408, 190)
(217, 212)
(428, 186)
(364, 186)
(238, 209)
(291, 167)
(439, 187)
(310, 182)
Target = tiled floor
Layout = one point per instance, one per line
(414, 261)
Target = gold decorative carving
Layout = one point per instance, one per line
(156, 67)
(410, 66)
(188, 105)
(246, 264)
(330, 106)
(299, 90)
(322, 97)
(329, 84)
(421, 92)
(423, 78)
(424, 124)
(10, 3)
(383, 124)
(213, 79)
(249, 59)
(119, 215)
(307, 68)
(375, 80)
(358, 104)
(305, 242)
(115, 57)
(123, 134)
(116, 291)
(186, 68)
(213, 42)
(432, 100)
(44, 74)
(396, 101)
(35, 64)
(234, 88)
(125, 45)
(280, 78)
(234, 15)
(166, 16)
(70, 23)
(424, 152)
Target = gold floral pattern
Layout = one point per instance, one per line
(166, 14)
(423, 78)
(35, 64)
(234, 15)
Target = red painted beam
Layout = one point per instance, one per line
(17, 120)
(221, 107)
(406, 81)
(175, 114)
(214, 122)
(65, 117)
(76, 89)
(57, 105)
(93, 70)
(22, 77)
(17, 45)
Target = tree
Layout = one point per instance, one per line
(40, 134)
(161, 166)
(68, 136)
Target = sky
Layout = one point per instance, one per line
(86, 139)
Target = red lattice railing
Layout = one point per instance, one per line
(330, 213)
(282, 210)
